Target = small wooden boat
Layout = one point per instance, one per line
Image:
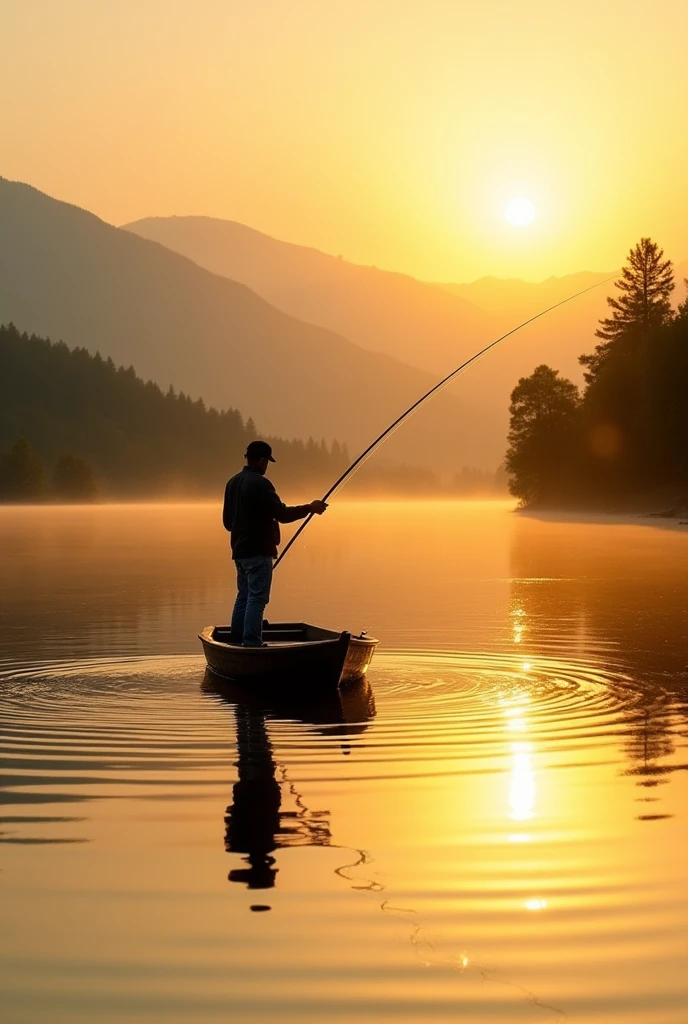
(313, 657)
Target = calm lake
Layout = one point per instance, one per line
(494, 830)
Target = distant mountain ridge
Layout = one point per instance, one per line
(511, 295)
(68, 275)
(394, 313)
(514, 297)
(433, 326)
(562, 335)
(380, 310)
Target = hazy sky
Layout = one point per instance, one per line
(390, 131)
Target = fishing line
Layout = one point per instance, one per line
(372, 448)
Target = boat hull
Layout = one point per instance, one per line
(298, 653)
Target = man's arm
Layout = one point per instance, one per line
(290, 513)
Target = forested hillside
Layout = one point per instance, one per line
(66, 274)
(138, 440)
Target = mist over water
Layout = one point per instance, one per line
(493, 828)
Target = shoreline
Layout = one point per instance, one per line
(637, 513)
(631, 512)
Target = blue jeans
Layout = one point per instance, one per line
(254, 576)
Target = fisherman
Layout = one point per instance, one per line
(252, 513)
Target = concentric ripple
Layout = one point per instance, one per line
(468, 709)
(80, 730)
(440, 815)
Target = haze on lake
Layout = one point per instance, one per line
(493, 829)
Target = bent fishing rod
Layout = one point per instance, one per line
(365, 455)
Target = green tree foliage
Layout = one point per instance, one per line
(22, 477)
(138, 439)
(664, 367)
(73, 479)
(645, 285)
(631, 429)
(544, 419)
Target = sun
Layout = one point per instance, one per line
(519, 211)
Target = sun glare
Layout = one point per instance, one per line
(519, 211)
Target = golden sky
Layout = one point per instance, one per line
(393, 132)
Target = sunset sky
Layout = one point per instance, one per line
(395, 133)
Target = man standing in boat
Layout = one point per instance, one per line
(252, 513)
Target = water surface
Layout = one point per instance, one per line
(494, 829)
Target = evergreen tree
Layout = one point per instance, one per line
(22, 476)
(645, 284)
(544, 416)
(73, 479)
(663, 411)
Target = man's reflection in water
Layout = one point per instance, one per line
(256, 825)
(253, 818)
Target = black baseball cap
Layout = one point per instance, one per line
(259, 450)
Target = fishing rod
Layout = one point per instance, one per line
(365, 455)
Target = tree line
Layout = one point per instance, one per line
(625, 432)
(23, 476)
(75, 427)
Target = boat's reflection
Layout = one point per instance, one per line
(256, 823)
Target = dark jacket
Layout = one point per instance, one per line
(252, 512)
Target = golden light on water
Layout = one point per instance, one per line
(515, 721)
(522, 781)
(484, 806)
(518, 624)
(522, 784)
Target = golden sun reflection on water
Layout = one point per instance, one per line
(522, 790)
(522, 783)
(522, 780)
(518, 624)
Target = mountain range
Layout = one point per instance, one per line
(306, 343)
(66, 274)
(393, 313)
(431, 326)
(381, 311)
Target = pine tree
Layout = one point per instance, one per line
(645, 284)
